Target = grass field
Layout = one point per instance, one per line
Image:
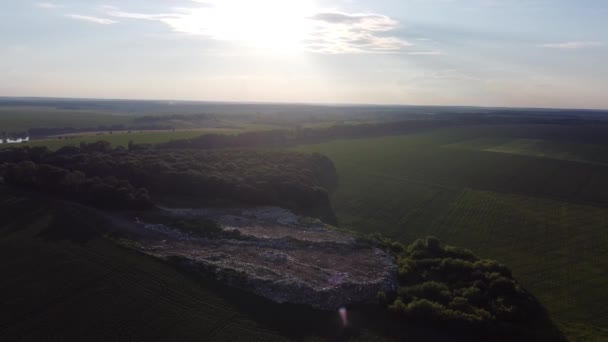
(545, 217)
(138, 137)
(585, 153)
(19, 119)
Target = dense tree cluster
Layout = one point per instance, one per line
(106, 192)
(452, 287)
(288, 179)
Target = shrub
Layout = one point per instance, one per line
(431, 290)
(451, 286)
(381, 297)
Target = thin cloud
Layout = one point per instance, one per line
(425, 53)
(338, 32)
(90, 19)
(375, 22)
(572, 45)
(140, 16)
(328, 32)
(47, 5)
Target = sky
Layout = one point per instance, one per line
(515, 53)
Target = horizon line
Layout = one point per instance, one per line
(323, 104)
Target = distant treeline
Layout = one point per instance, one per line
(293, 180)
(453, 288)
(334, 112)
(37, 133)
(287, 137)
(299, 135)
(381, 116)
(149, 119)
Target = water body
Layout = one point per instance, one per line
(15, 141)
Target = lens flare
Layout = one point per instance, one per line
(343, 316)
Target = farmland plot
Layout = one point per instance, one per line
(546, 218)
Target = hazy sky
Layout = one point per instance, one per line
(548, 53)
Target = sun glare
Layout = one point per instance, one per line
(266, 23)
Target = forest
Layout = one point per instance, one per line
(133, 179)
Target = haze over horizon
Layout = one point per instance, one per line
(522, 53)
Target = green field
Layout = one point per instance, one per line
(545, 217)
(585, 153)
(17, 119)
(22, 118)
(138, 137)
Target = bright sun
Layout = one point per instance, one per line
(264, 23)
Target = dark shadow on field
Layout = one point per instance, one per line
(74, 223)
(67, 221)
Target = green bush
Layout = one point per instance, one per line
(449, 285)
(431, 290)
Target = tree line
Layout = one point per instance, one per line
(43, 132)
(299, 135)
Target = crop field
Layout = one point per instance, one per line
(138, 137)
(585, 153)
(19, 119)
(525, 232)
(545, 217)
